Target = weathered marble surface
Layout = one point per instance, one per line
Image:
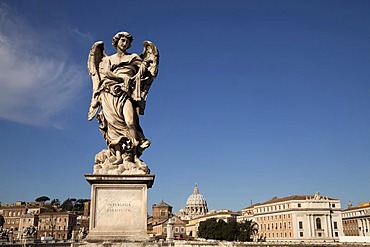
(121, 83)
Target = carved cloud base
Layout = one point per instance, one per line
(118, 211)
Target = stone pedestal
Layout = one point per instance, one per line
(118, 211)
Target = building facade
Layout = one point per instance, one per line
(179, 232)
(356, 220)
(298, 218)
(12, 218)
(58, 225)
(161, 212)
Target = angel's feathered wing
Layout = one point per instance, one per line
(151, 56)
(96, 55)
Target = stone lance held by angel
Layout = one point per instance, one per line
(120, 85)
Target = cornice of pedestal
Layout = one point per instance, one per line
(147, 179)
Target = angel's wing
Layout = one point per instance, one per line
(96, 55)
(151, 57)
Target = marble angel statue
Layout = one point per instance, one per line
(120, 85)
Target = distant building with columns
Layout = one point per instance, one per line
(297, 218)
(356, 220)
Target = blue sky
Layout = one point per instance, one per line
(253, 99)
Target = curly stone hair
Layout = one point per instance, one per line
(119, 35)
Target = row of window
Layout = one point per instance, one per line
(13, 213)
(277, 235)
(55, 219)
(275, 226)
(280, 216)
(318, 224)
(272, 208)
(319, 234)
(13, 221)
(177, 229)
(54, 227)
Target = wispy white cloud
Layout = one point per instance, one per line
(37, 78)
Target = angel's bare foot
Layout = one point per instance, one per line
(118, 156)
(118, 161)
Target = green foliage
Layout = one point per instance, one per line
(232, 231)
(247, 229)
(55, 202)
(42, 199)
(73, 204)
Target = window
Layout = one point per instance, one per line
(335, 225)
(176, 229)
(336, 234)
(299, 205)
(318, 223)
(163, 213)
(300, 224)
(319, 234)
(301, 234)
(182, 229)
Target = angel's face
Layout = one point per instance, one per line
(123, 43)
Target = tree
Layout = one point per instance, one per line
(247, 229)
(68, 204)
(73, 204)
(42, 199)
(207, 228)
(232, 231)
(55, 202)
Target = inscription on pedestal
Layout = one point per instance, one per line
(120, 208)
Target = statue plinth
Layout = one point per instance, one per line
(118, 211)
